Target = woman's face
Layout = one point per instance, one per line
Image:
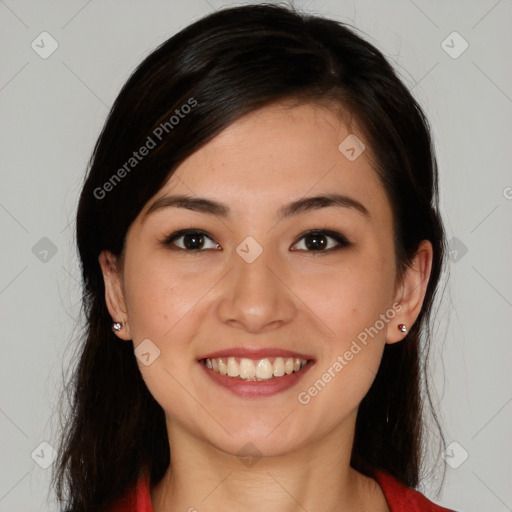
(253, 279)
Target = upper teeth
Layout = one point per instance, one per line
(261, 369)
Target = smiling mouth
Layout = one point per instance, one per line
(255, 369)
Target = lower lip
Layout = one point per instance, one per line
(251, 388)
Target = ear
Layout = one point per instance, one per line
(410, 291)
(114, 295)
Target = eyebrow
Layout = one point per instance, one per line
(305, 204)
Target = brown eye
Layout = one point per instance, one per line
(193, 241)
(189, 240)
(321, 241)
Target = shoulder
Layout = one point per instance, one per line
(401, 498)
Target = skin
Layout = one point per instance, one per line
(192, 303)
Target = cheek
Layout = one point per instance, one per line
(158, 296)
(164, 306)
(352, 303)
(349, 297)
(360, 311)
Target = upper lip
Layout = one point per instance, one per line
(255, 353)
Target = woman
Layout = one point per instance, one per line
(261, 246)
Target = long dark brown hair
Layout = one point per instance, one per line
(223, 66)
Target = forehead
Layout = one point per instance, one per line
(280, 153)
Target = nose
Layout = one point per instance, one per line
(255, 296)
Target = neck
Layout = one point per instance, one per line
(317, 476)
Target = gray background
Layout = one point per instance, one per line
(52, 112)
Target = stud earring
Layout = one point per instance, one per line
(117, 326)
(402, 327)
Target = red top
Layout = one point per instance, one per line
(400, 498)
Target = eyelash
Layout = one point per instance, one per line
(338, 237)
